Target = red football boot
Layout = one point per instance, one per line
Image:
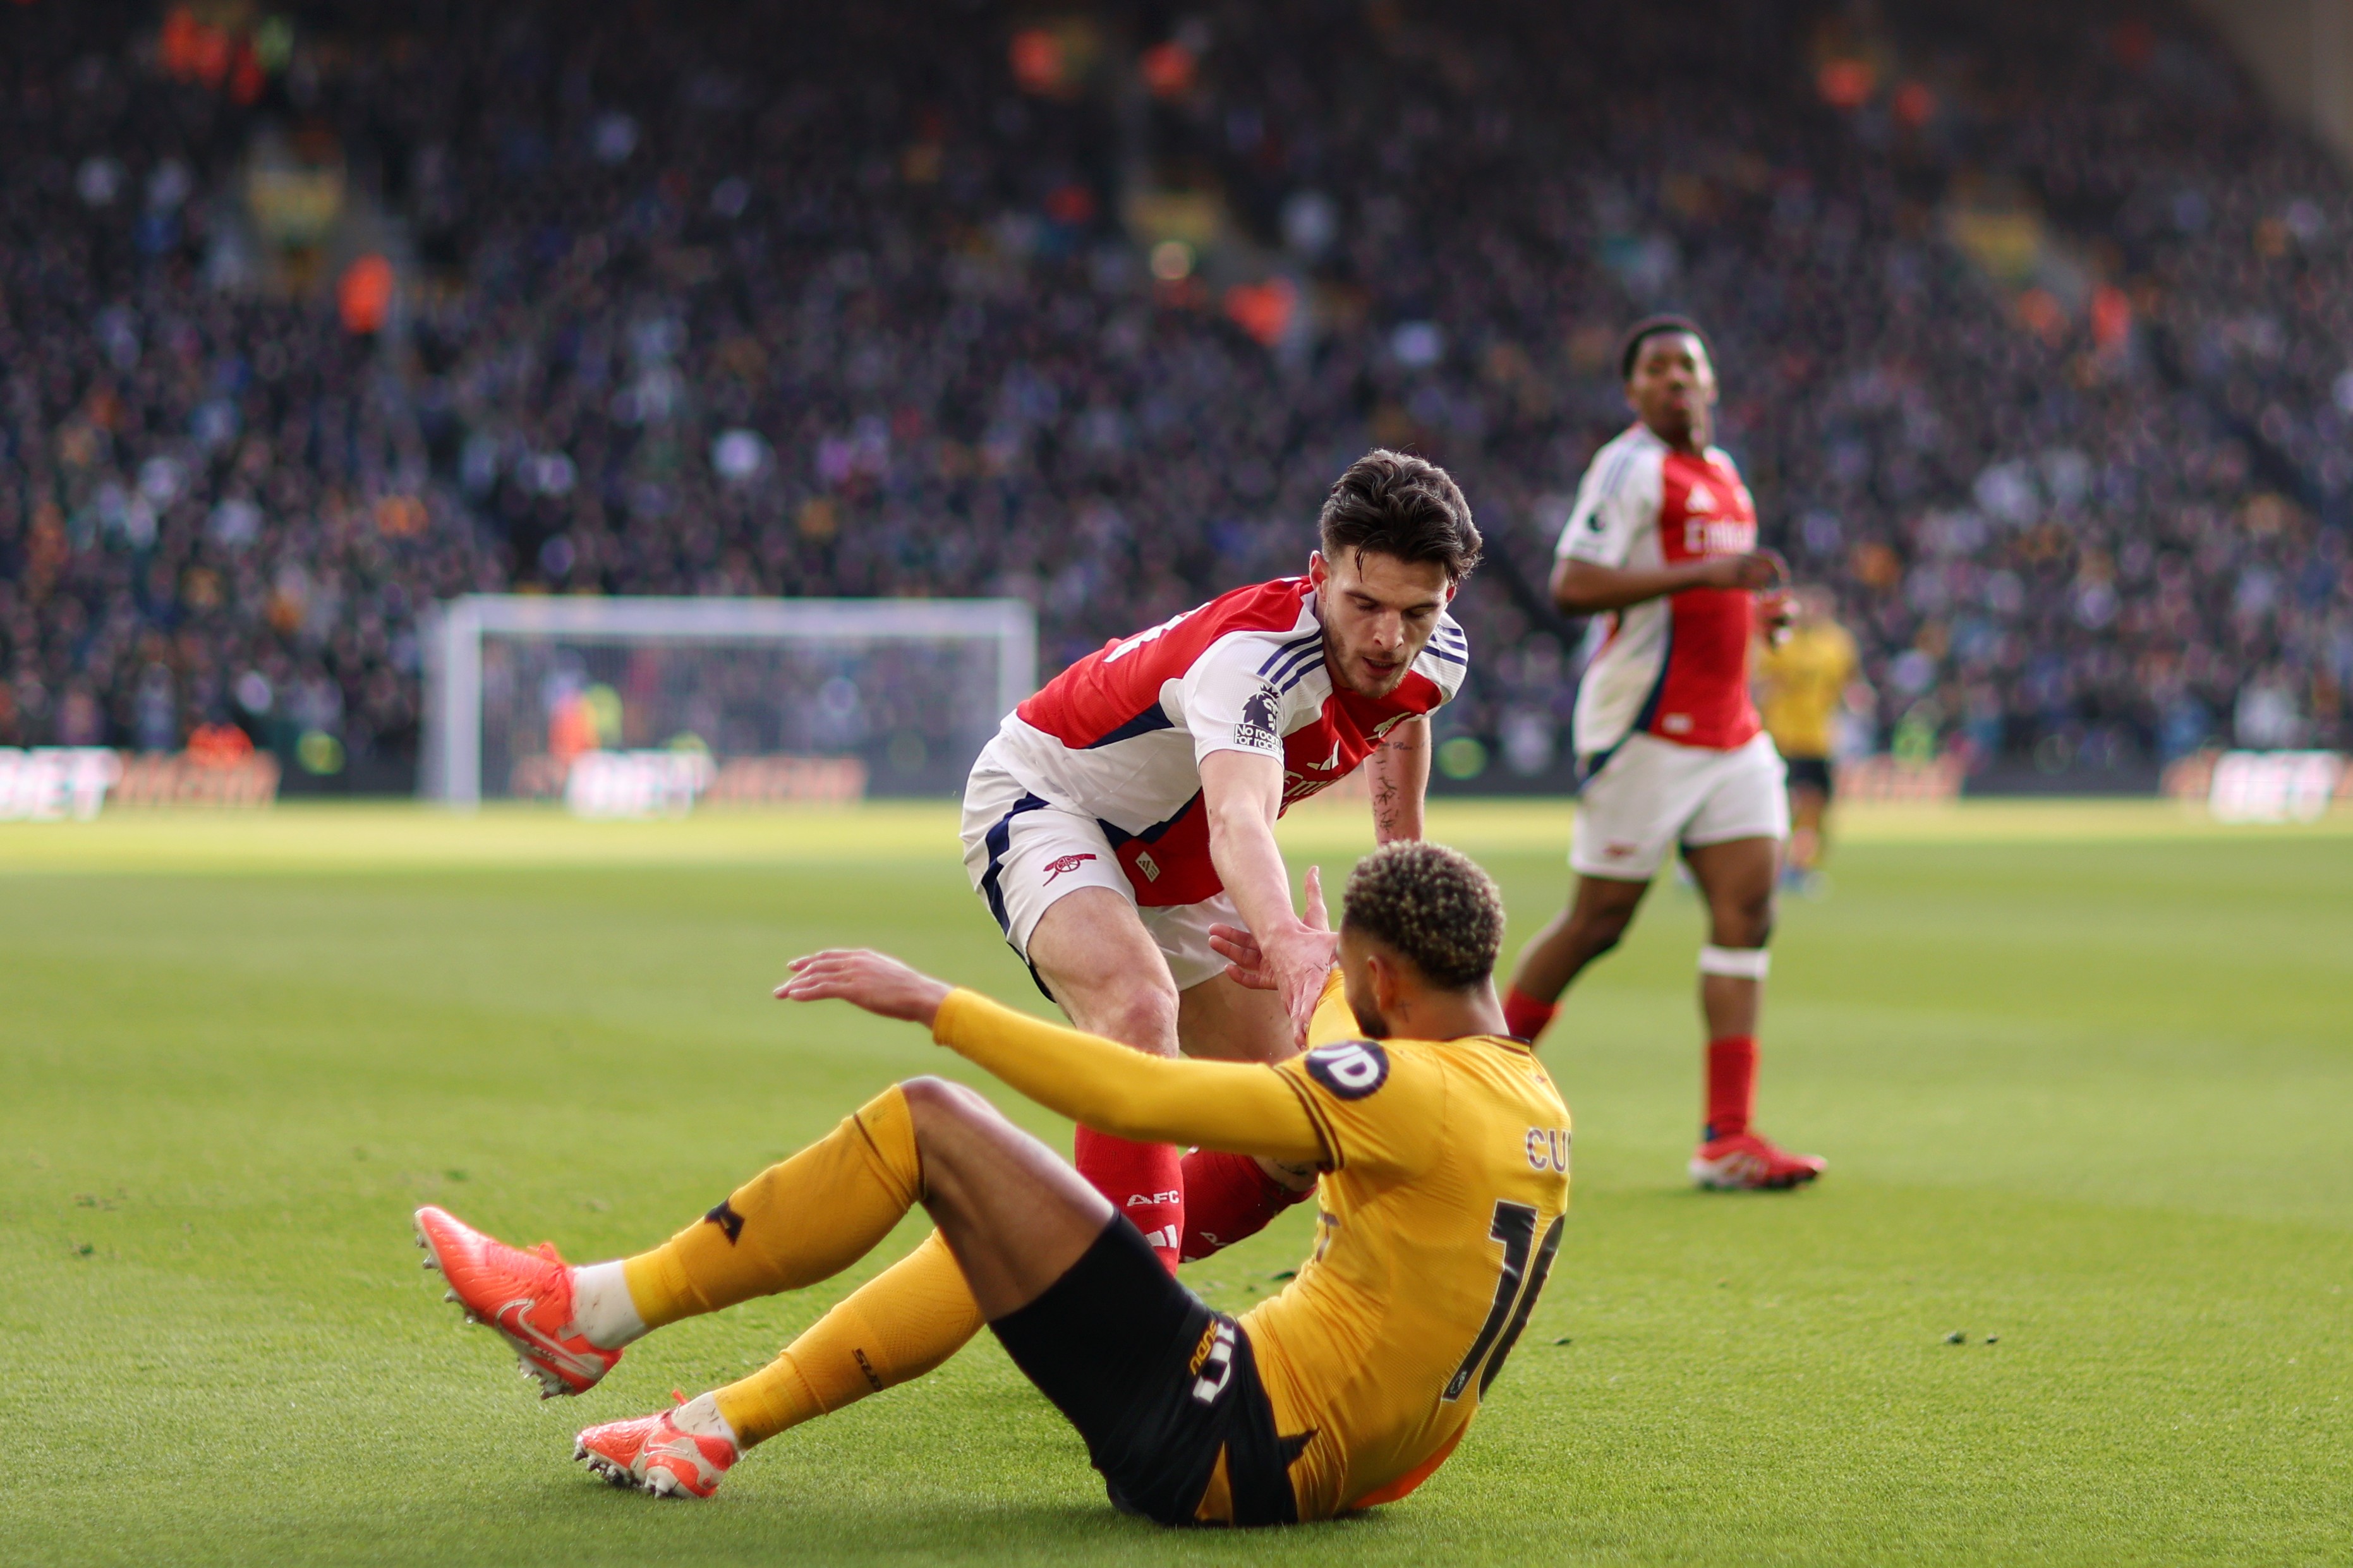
(650, 1454)
(1747, 1163)
(526, 1296)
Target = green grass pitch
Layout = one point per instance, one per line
(2083, 1075)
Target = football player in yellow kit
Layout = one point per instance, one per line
(1801, 683)
(1444, 1150)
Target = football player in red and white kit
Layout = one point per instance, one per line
(1663, 541)
(1129, 807)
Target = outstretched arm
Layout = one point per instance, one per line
(1242, 1107)
(1243, 792)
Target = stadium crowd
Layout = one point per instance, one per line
(744, 299)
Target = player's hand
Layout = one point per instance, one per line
(1303, 961)
(875, 981)
(1775, 612)
(1311, 901)
(1300, 957)
(1756, 569)
(1246, 964)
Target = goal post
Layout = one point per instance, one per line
(904, 692)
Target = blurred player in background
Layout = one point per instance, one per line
(1801, 681)
(1663, 541)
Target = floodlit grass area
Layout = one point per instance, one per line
(2082, 1073)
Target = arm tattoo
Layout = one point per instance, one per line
(1388, 799)
(1385, 806)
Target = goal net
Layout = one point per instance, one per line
(644, 705)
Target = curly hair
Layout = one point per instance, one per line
(1393, 503)
(1431, 905)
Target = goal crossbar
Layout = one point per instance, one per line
(454, 631)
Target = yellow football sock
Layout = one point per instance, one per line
(792, 1225)
(897, 1326)
(1333, 1019)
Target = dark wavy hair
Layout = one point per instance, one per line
(1393, 503)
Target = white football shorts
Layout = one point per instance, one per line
(1023, 852)
(1652, 794)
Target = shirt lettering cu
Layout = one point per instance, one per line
(1379, 1111)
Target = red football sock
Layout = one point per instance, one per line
(1228, 1197)
(1731, 1086)
(1525, 1017)
(1142, 1181)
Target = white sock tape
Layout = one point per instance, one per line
(1739, 962)
(602, 1306)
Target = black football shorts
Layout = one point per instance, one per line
(1809, 773)
(1156, 1383)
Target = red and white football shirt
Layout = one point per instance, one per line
(1676, 667)
(1120, 735)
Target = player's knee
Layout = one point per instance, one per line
(935, 1100)
(1594, 933)
(1745, 921)
(1143, 1018)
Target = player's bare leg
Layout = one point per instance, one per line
(1736, 878)
(1105, 970)
(1230, 1022)
(1241, 1016)
(1594, 922)
(1108, 975)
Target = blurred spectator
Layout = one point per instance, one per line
(749, 299)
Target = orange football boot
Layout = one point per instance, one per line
(526, 1296)
(650, 1454)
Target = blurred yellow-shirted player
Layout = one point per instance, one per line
(1444, 1153)
(1801, 681)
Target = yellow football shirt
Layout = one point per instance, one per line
(1447, 1176)
(1799, 685)
(1438, 1223)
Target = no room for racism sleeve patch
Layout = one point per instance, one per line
(1259, 729)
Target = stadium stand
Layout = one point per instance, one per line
(2033, 324)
